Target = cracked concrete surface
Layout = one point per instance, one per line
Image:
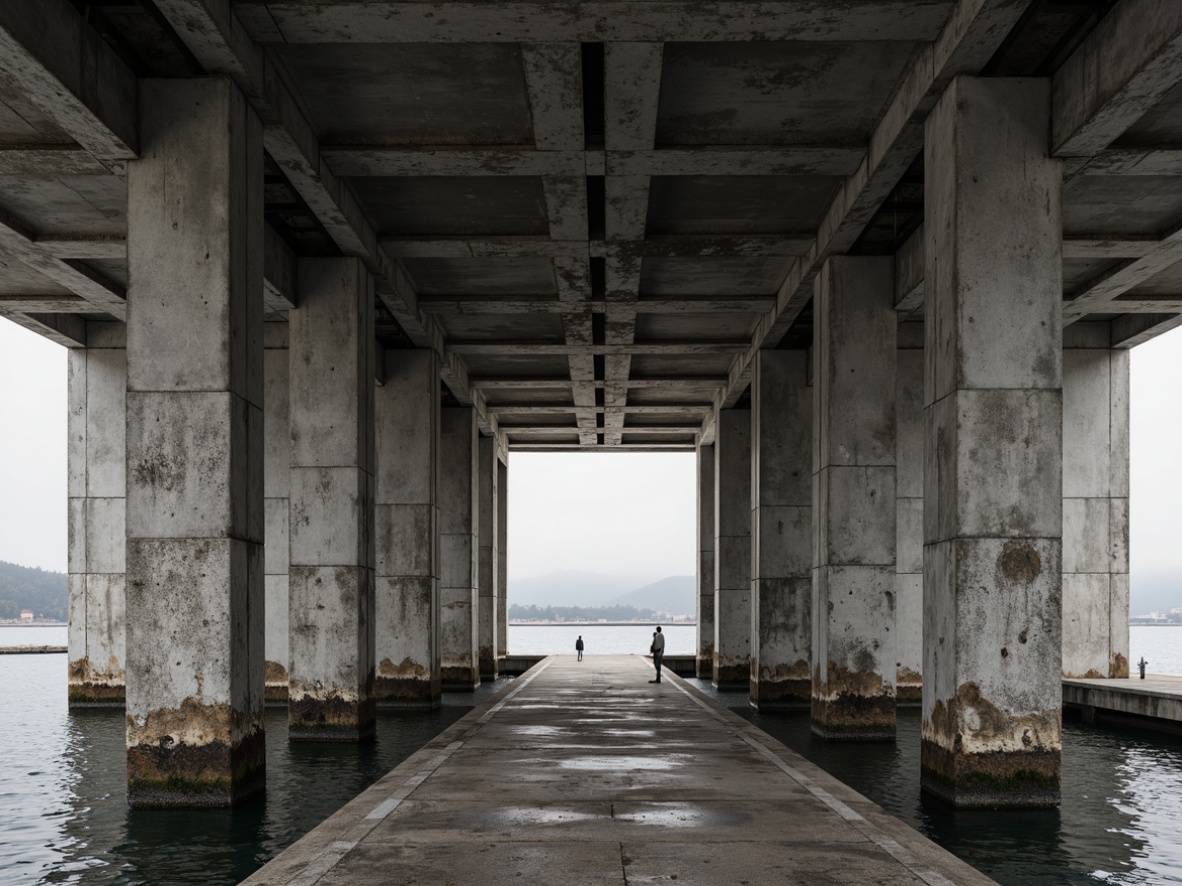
(586, 773)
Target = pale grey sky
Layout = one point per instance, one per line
(613, 513)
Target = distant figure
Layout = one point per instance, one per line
(1142, 664)
(658, 650)
(579, 647)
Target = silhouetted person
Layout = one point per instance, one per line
(579, 647)
(658, 650)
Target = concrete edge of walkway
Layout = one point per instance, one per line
(925, 859)
(306, 860)
(317, 852)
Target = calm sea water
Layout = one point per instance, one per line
(599, 639)
(64, 815)
(63, 791)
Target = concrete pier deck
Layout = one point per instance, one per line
(1155, 702)
(586, 773)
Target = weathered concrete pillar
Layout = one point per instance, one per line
(993, 485)
(276, 487)
(487, 558)
(705, 604)
(781, 530)
(502, 558)
(1095, 505)
(331, 504)
(406, 416)
(854, 660)
(195, 448)
(732, 549)
(458, 547)
(97, 457)
(909, 515)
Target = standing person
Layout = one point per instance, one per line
(579, 647)
(658, 652)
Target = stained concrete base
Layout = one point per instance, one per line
(587, 773)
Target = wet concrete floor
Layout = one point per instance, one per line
(586, 773)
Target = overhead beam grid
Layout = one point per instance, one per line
(597, 212)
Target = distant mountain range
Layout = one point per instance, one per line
(1155, 591)
(24, 588)
(674, 594)
(45, 592)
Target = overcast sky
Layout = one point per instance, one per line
(613, 513)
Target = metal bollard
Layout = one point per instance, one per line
(1142, 665)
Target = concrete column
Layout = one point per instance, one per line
(909, 515)
(502, 559)
(854, 357)
(487, 558)
(276, 486)
(195, 448)
(1095, 508)
(406, 418)
(97, 458)
(705, 605)
(732, 549)
(331, 505)
(781, 530)
(458, 547)
(993, 418)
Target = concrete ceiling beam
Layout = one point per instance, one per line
(49, 160)
(1134, 329)
(1116, 281)
(969, 36)
(534, 305)
(104, 295)
(80, 246)
(68, 330)
(1130, 161)
(1123, 67)
(543, 384)
(677, 409)
(63, 67)
(46, 304)
(536, 349)
(214, 34)
(588, 21)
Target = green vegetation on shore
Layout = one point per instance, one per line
(24, 588)
(583, 613)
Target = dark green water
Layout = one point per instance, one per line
(63, 790)
(1120, 821)
(64, 815)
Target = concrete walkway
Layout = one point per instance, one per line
(1157, 700)
(586, 773)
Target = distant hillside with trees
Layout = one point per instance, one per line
(24, 588)
(581, 613)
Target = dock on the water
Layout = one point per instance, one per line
(1153, 703)
(581, 773)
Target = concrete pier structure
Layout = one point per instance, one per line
(612, 212)
(486, 576)
(331, 685)
(195, 449)
(854, 662)
(732, 550)
(704, 612)
(1095, 505)
(993, 481)
(276, 491)
(781, 530)
(459, 541)
(406, 533)
(97, 456)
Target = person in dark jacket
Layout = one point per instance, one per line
(579, 647)
(658, 650)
